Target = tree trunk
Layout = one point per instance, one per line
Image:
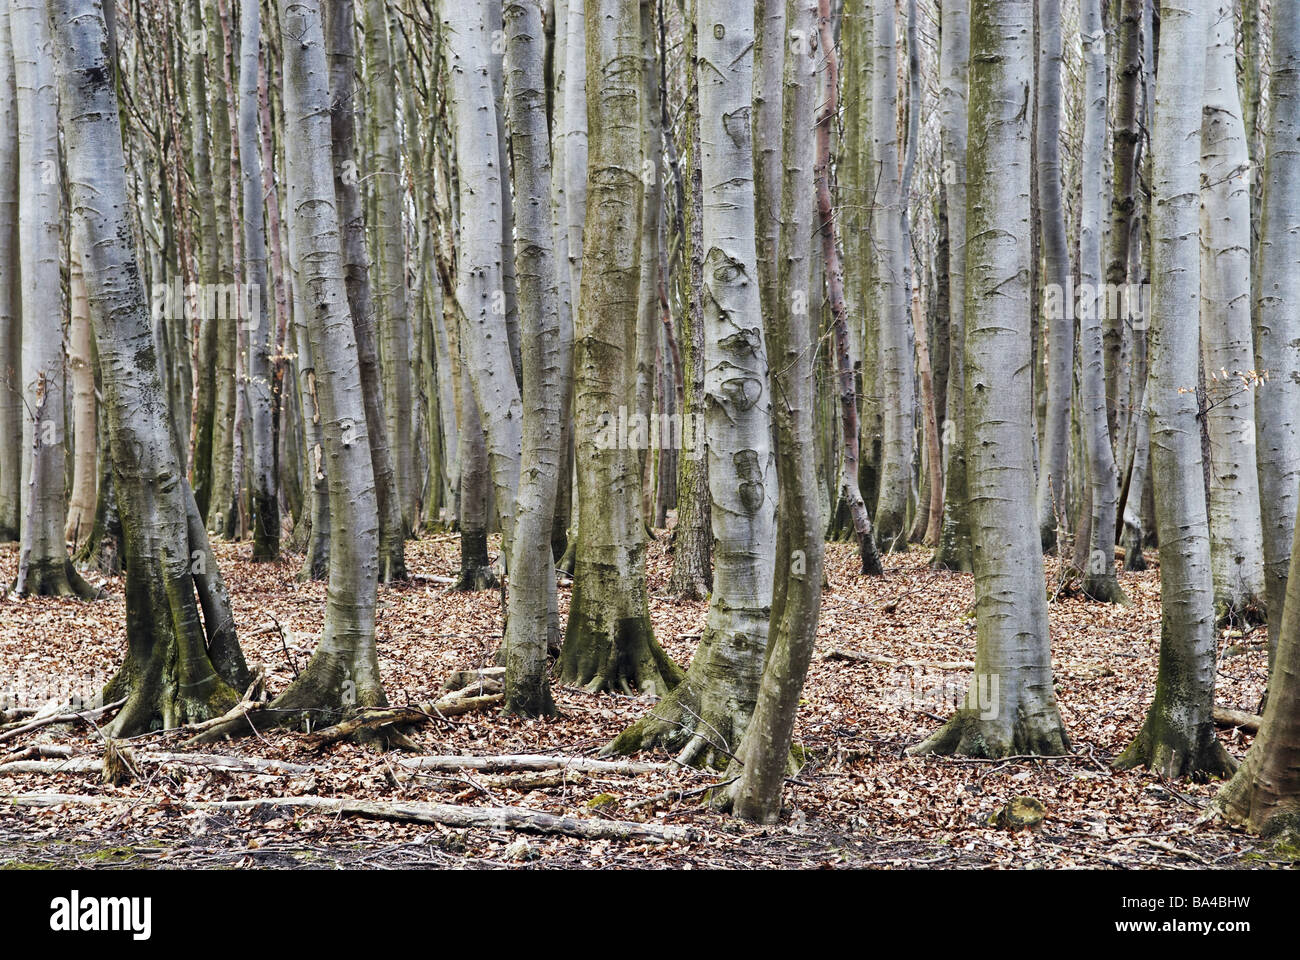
(763, 757)
(1054, 456)
(692, 576)
(259, 332)
(43, 565)
(954, 551)
(1277, 322)
(1177, 739)
(180, 667)
(1099, 580)
(532, 577)
(704, 717)
(609, 643)
(1236, 553)
(390, 258)
(344, 669)
(1011, 706)
(11, 399)
(891, 301)
(356, 270)
(479, 275)
(85, 470)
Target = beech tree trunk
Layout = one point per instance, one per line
(704, 716)
(1277, 321)
(763, 757)
(44, 568)
(954, 552)
(532, 578)
(892, 303)
(183, 661)
(609, 643)
(1054, 456)
(1011, 705)
(1236, 534)
(11, 399)
(343, 672)
(1177, 738)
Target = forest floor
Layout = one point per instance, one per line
(859, 802)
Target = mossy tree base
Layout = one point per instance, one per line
(475, 566)
(967, 734)
(163, 691)
(1163, 748)
(55, 578)
(1134, 559)
(699, 729)
(617, 655)
(1104, 588)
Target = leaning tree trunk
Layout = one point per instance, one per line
(43, 564)
(183, 662)
(479, 274)
(340, 44)
(1054, 458)
(1277, 321)
(704, 716)
(891, 302)
(1177, 739)
(1099, 580)
(1236, 553)
(260, 337)
(763, 757)
(11, 400)
(609, 643)
(954, 552)
(532, 576)
(1011, 706)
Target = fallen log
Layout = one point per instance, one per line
(85, 716)
(463, 678)
(1227, 717)
(448, 815)
(208, 761)
(532, 762)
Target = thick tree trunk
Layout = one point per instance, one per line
(180, 667)
(532, 577)
(1177, 739)
(954, 552)
(1236, 553)
(609, 643)
(706, 714)
(1277, 321)
(1011, 705)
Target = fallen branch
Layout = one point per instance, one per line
(530, 761)
(1227, 717)
(448, 815)
(374, 721)
(209, 761)
(837, 653)
(85, 716)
